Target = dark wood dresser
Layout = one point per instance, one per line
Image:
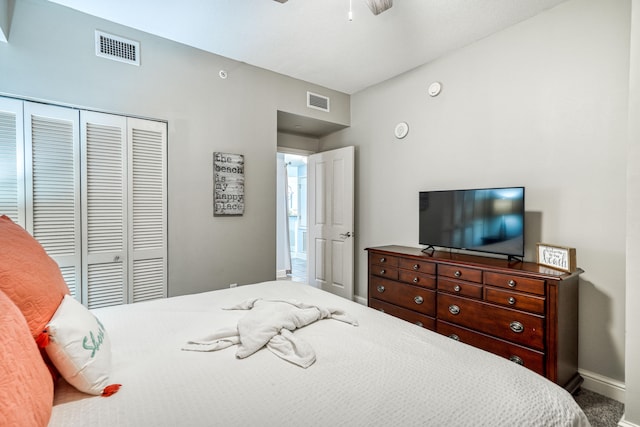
(522, 311)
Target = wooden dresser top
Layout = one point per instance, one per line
(498, 264)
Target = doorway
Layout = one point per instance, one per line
(292, 221)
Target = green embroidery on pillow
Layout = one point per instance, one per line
(96, 342)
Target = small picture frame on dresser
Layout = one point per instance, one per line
(558, 257)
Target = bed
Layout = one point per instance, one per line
(361, 367)
(382, 372)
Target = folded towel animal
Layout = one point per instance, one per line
(270, 323)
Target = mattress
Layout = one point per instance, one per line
(385, 371)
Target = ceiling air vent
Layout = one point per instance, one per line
(318, 102)
(117, 48)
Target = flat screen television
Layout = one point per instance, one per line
(487, 220)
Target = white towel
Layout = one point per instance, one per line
(217, 341)
(269, 323)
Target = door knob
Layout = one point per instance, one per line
(345, 235)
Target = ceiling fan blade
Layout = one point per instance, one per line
(379, 6)
(376, 6)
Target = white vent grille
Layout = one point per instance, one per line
(9, 197)
(318, 102)
(117, 48)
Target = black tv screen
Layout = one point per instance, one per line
(486, 220)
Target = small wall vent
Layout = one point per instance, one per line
(318, 102)
(117, 48)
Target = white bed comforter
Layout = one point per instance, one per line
(383, 372)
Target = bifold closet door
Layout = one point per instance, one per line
(52, 184)
(104, 209)
(124, 209)
(147, 259)
(12, 198)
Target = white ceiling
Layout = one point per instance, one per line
(313, 40)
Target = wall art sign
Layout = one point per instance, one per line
(558, 257)
(228, 185)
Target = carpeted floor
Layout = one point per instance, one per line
(600, 410)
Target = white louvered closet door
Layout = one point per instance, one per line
(12, 198)
(104, 210)
(147, 209)
(52, 176)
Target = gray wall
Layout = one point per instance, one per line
(297, 143)
(50, 56)
(542, 104)
(632, 374)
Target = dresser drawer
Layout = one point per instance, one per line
(516, 283)
(512, 325)
(517, 300)
(417, 279)
(404, 314)
(407, 296)
(417, 266)
(467, 289)
(531, 359)
(384, 271)
(382, 259)
(462, 273)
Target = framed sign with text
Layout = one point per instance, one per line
(558, 257)
(228, 185)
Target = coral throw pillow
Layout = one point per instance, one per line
(29, 277)
(79, 347)
(26, 389)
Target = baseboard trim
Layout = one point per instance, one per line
(281, 274)
(360, 300)
(624, 423)
(605, 386)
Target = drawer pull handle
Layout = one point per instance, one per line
(416, 266)
(383, 271)
(456, 288)
(512, 283)
(457, 273)
(454, 309)
(383, 259)
(416, 280)
(419, 323)
(380, 288)
(454, 337)
(512, 300)
(516, 327)
(516, 359)
(418, 300)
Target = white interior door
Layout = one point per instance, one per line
(104, 220)
(331, 204)
(52, 178)
(147, 209)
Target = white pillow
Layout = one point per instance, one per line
(79, 347)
